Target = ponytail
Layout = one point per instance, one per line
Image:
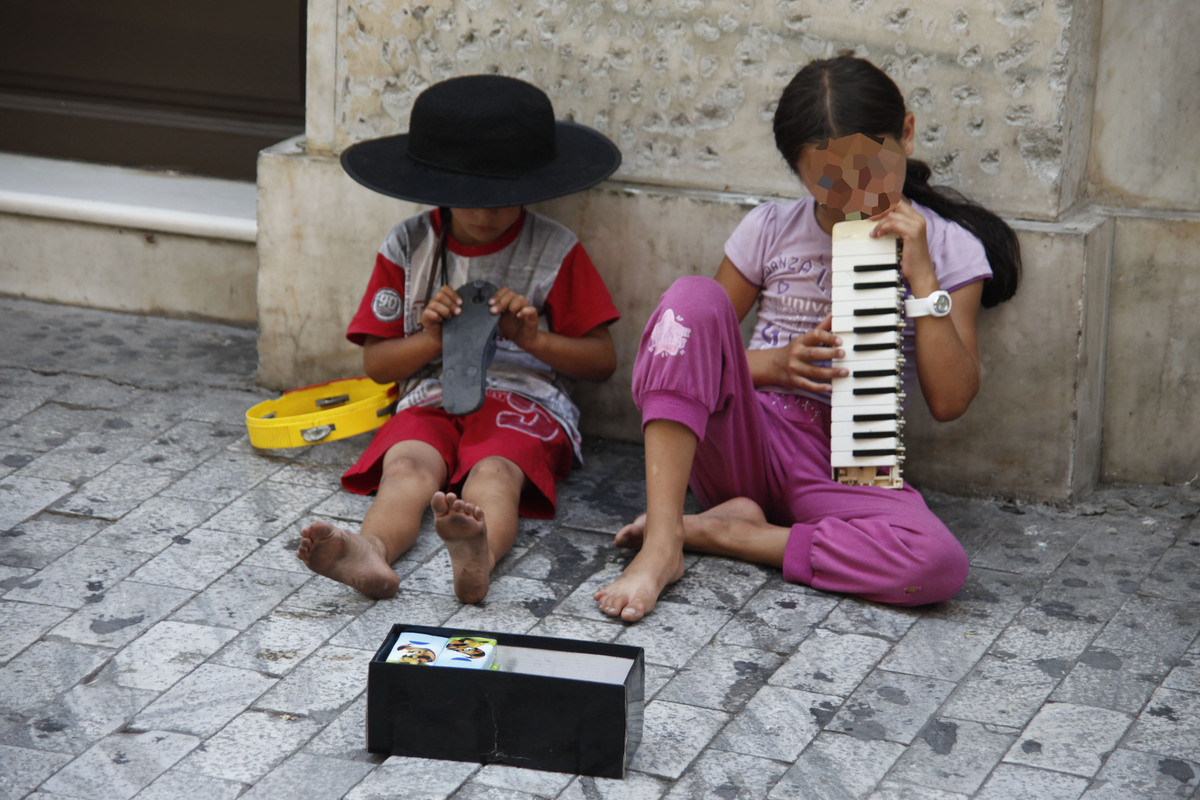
(999, 241)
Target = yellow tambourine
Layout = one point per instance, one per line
(323, 412)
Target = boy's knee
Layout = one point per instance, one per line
(495, 469)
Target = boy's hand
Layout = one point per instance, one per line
(445, 304)
(519, 319)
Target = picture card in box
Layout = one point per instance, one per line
(576, 706)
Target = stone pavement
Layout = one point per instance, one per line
(158, 638)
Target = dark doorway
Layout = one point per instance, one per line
(197, 87)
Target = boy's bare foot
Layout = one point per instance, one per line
(634, 594)
(463, 529)
(347, 558)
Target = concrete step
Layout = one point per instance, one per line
(128, 240)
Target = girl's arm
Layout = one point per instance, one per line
(947, 347)
(790, 366)
(592, 356)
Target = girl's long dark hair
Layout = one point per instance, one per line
(839, 96)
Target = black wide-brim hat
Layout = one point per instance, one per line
(483, 141)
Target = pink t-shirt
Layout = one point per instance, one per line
(780, 248)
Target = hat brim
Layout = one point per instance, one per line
(584, 157)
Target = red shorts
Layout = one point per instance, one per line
(507, 425)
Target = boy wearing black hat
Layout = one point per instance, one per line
(481, 451)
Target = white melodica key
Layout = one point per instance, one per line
(866, 406)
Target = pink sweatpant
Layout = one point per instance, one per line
(881, 544)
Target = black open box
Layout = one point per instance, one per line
(581, 720)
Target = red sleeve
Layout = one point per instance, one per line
(579, 301)
(381, 311)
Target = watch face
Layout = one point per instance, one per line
(941, 304)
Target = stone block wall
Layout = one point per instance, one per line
(1016, 105)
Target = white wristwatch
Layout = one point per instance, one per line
(936, 304)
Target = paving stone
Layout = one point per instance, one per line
(1069, 738)
(777, 723)
(121, 613)
(953, 756)
(634, 786)
(1004, 691)
(24, 769)
(730, 776)
(114, 493)
(14, 458)
(121, 765)
(174, 785)
(989, 599)
(835, 766)
(277, 643)
(44, 428)
(539, 783)
(478, 791)
(329, 597)
(205, 701)
(76, 720)
(420, 778)
(1128, 774)
(852, 615)
(720, 584)
(85, 456)
(322, 686)
(560, 626)
(1045, 634)
(345, 737)
(22, 498)
(889, 790)
(1169, 726)
(673, 734)
(45, 670)
(721, 677)
(250, 746)
(165, 653)
(240, 597)
(343, 506)
(674, 632)
(368, 630)
(1117, 680)
(155, 524)
(185, 445)
(37, 542)
(223, 478)
(1012, 782)
(22, 624)
(77, 578)
(1033, 543)
(196, 559)
(1152, 625)
(566, 557)
(306, 775)
(830, 663)
(267, 509)
(940, 648)
(890, 706)
(776, 619)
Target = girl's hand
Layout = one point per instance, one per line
(798, 365)
(906, 222)
(445, 304)
(519, 318)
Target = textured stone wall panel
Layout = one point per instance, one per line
(687, 88)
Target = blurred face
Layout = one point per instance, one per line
(476, 226)
(855, 174)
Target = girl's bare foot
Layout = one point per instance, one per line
(462, 527)
(634, 594)
(348, 558)
(702, 531)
